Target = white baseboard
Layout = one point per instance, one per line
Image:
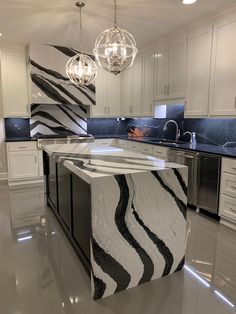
(3, 176)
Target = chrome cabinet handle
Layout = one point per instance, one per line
(22, 147)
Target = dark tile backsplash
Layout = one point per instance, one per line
(208, 131)
(17, 127)
(212, 131)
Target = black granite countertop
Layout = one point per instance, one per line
(203, 148)
(19, 139)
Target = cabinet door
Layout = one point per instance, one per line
(127, 93)
(113, 88)
(198, 72)
(137, 87)
(148, 84)
(81, 221)
(162, 71)
(52, 182)
(100, 109)
(14, 83)
(223, 92)
(64, 194)
(23, 165)
(177, 67)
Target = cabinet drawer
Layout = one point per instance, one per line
(123, 143)
(228, 184)
(22, 146)
(104, 142)
(228, 207)
(134, 146)
(229, 165)
(145, 148)
(160, 151)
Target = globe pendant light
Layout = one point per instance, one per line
(81, 69)
(115, 49)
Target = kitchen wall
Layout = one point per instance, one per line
(3, 160)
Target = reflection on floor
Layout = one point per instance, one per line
(40, 273)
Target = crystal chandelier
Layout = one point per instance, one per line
(115, 49)
(81, 69)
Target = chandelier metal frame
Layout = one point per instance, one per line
(115, 48)
(81, 68)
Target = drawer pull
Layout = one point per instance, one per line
(232, 210)
(234, 168)
(233, 187)
(22, 147)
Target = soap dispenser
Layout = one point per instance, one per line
(194, 141)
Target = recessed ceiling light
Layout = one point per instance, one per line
(189, 1)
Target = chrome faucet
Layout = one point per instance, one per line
(177, 135)
(191, 136)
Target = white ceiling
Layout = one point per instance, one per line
(57, 21)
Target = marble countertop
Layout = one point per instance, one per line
(90, 161)
(203, 148)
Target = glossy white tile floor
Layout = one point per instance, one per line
(40, 273)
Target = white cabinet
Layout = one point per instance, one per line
(198, 71)
(170, 69)
(160, 151)
(227, 207)
(25, 163)
(14, 77)
(223, 92)
(177, 72)
(162, 71)
(148, 84)
(132, 90)
(108, 95)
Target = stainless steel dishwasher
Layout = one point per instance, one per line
(203, 178)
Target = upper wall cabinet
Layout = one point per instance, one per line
(14, 79)
(108, 96)
(132, 90)
(223, 88)
(50, 84)
(170, 69)
(198, 71)
(148, 84)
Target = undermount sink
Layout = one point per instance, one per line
(165, 141)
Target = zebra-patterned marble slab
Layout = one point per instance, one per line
(89, 160)
(57, 119)
(138, 214)
(50, 84)
(138, 229)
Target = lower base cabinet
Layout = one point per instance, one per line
(81, 219)
(52, 182)
(64, 194)
(69, 197)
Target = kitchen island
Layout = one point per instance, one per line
(124, 212)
